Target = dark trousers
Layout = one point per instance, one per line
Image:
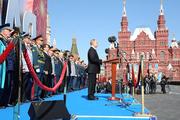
(38, 90)
(61, 88)
(91, 84)
(163, 88)
(68, 78)
(72, 83)
(27, 84)
(7, 90)
(47, 82)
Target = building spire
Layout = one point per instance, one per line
(161, 19)
(124, 21)
(161, 8)
(74, 49)
(174, 37)
(124, 7)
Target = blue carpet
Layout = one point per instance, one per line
(77, 104)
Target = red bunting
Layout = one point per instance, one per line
(36, 79)
(6, 52)
(133, 77)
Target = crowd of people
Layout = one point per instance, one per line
(150, 85)
(47, 62)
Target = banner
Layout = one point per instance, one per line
(29, 15)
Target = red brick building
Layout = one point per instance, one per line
(40, 10)
(158, 56)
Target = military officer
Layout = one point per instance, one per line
(38, 63)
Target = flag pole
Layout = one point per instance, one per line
(142, 83)
(142, 114)
(133, 81)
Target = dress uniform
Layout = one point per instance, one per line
(27, 81)
(38, 63)
(7, 67)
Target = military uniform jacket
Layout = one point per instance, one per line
(38, 59)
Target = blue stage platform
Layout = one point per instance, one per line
(83, 109)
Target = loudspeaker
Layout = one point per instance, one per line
(48, 110)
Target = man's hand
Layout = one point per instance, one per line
(46, 72)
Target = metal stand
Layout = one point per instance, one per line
(121, 101)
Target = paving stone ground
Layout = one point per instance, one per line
(164, 106)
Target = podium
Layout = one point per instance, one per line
(113, 71)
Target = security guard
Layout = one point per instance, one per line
(163, 84)
(38, 62)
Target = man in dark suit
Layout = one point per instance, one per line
(93, 68)
(47, 69)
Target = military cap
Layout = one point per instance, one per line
(6, 26)
(39, 36)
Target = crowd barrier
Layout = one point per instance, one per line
(36, 79)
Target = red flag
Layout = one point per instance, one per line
(133, 77)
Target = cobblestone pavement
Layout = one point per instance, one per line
(164, 106)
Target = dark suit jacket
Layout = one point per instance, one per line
(93, 61)
(48, 64)
(58, 66)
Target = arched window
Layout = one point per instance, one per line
(162, 55)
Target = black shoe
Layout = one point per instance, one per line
(92, 98)
(96, 98)
(2, 107)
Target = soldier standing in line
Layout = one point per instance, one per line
(27, 81)
(38, 62)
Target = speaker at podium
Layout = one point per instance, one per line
(49, 110)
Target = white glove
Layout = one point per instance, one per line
(38, 70)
